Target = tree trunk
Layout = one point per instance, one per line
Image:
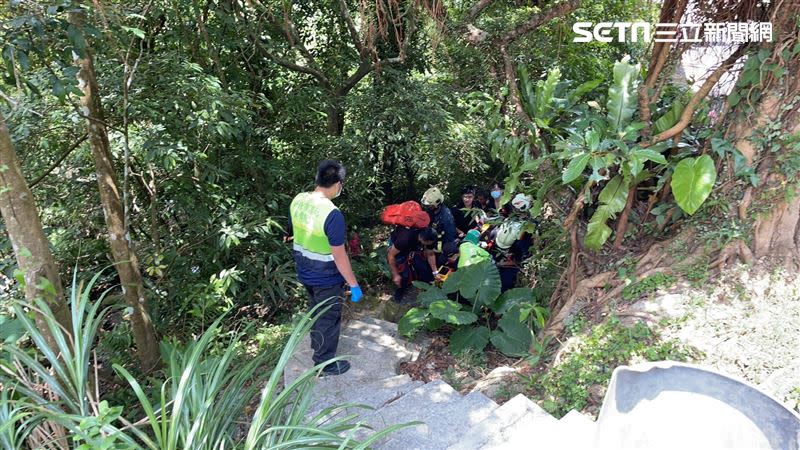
(124, 257)
(336, 117)
(776, 227)
(31, 247)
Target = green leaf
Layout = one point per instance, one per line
(469, 338)
(511, 298)
(544, 96)
(733, 98)
(19, 275)
(412, 321)
(531, 166)
(575, 167)
(135, 31)
(692, 182)
(452, 283)
(481, 283)
(428, 293)
(433, 324)
(615, 194)
(721, 146)
(622, 94)
(513, 337)
(650, 155)
(669, 119)
(592, 139)
(634, 166)
(10, 329)
(46, 286)
(579, 91)
(451, 312)
(597, 232)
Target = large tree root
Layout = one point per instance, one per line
(555, 325)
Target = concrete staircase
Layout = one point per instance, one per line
(449, 420)
(653, 405)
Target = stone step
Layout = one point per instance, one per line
(390, 327)
(383, 334)
(443, 426)
(369, 361)
(371, 327)
(414, 406)
(330, 391)
(505, 422)
(573, 431)
(577, 429)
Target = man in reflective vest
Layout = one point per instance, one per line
(470, 251)
(318, 231)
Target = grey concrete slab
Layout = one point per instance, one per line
(371, 329)
(677, 405)
(375, 394)
(385, 324)
(415, 405)
(369, 361)
(576, 430)
(379, 335)
(532, 429)
(504, 422)
(444, 424)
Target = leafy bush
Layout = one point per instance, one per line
(647, 285)
(566, 385)
(201, 403)
(479, 285)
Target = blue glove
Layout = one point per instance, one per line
(355, 293)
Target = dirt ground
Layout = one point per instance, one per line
(747, 324)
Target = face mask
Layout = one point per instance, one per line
(497, 194)
(341, 188)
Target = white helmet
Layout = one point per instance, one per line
(507, 234)
(522, 202)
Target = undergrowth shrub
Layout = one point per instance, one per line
(207, 397)
(594, 357)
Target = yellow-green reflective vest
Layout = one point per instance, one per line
(469, 254)
(309, 211)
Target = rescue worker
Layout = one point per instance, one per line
(512, 245)
(470, 251)
(441, 220)
(496, 191)
(411, 257)
(466, 220)
(318, 230)
(482, 200)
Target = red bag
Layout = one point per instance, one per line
(406, 214)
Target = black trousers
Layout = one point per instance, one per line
(325, 332)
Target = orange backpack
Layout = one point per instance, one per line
(406, 214)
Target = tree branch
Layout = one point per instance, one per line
(476, 9)
(523, 28)
(58, 161)
(688, 112)
(661, 52)
(363, 70)
(511, 79)
(351, 27)
(539, 19)
(323, 80)
(296, 43)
